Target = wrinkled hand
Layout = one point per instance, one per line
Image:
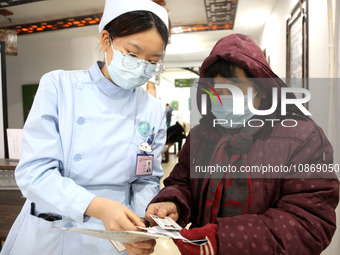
(113, 214)
(162, 209)
(209, 231)
(141, 248)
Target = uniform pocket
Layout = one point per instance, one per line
(76, 243)
(137, 139)
(37, 236)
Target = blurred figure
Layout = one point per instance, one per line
(176, 133)
(168, 114)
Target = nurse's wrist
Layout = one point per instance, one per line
(102, 208)
(95, 208)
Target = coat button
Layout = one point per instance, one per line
(79, 86)
(80, 121)
(68, 225)
(77, 157)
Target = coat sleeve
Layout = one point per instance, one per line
(145, 188)
(177, 185)
(302, 222)
(39, 172)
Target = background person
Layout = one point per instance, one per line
(168, 114)
(176, 133)
(81, 136)
(239, 213)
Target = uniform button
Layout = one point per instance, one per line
(68, 225)
(81, 121)
(77, 157)
(79, 86)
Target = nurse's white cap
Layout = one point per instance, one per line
(115, 8)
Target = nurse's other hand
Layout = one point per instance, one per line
(113, 214)
(141, 248)
(162, 210)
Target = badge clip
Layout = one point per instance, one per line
(144, 146)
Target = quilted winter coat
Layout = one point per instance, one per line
(294, 214)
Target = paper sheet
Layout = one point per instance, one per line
(117, 238)
(121, 236)
(14, 138)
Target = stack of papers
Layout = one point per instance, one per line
(167, 228)
(121, 236)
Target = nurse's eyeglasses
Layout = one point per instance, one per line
(133, 61)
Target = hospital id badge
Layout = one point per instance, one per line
(144, 164)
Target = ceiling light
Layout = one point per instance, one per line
(52, 25)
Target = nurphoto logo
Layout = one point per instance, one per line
(238, 99)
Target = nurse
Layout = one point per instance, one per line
(80, 164)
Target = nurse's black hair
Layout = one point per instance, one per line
(136, 22)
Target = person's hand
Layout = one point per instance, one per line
(208, 232)
(162, 209)
(140, 248)
(113, 214)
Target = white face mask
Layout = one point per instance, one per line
(124, 77)
(225, 112)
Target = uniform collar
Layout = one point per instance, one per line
(105, 85)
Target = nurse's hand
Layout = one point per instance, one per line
(162, 209)
(141, 248)
(113, 214)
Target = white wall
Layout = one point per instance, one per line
(39, 54)
(274, 36)
(274, 39)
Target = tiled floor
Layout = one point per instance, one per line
(167, 246)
